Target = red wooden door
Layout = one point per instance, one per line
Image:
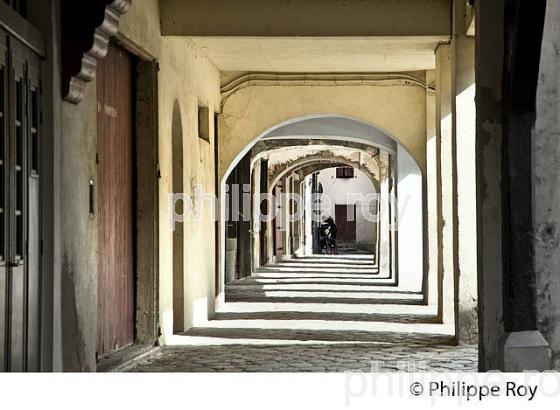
(345, 223)
(115, 296)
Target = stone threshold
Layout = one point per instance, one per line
(125, 359)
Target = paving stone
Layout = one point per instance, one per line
(177, 359)
(385, 350)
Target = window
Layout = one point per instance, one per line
(204, 123)
(345, 172)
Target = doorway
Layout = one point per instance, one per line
(115, 306)
(345, 218)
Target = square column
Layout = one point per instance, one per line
(256, 224)
(464, 90)
(432, 189)
(384, 256)
(508, 54)
(447, 184)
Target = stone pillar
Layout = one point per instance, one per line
(489, 73)
(308, 224)
(384, 222)
(432, 182)
(463, 49)
(374, 209)
(286, 224)
(231, 228)
(279, 220)
(256, 225)
(378, 226)
(447, 191)
(270, 231)
(393, 219)
(505, 120)
(525, 348)
(547, 192)
(296, 209)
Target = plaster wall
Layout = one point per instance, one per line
(339, 191)
(399, 109)
(547, 191)
(410, 222)
(79, 233)
(305, 17)
(190, 79)
(141, 26)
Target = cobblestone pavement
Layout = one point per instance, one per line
(314, 358)
(319, 314)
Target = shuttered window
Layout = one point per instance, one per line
(345, 172)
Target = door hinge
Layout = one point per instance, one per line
(41, 247)
(97, 158)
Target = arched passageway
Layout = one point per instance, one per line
(278, 282)
(369, 148)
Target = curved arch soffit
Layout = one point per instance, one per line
(326, 126)
(331, 162)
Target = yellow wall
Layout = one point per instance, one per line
(400, 110)
(189, 78)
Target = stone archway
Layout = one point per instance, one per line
(408, 177)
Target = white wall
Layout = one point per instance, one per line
(338, 191)
(410, 238)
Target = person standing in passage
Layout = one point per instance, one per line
(331, 238)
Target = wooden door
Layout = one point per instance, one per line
(115, 292)
(345, 223)
(20, 242)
